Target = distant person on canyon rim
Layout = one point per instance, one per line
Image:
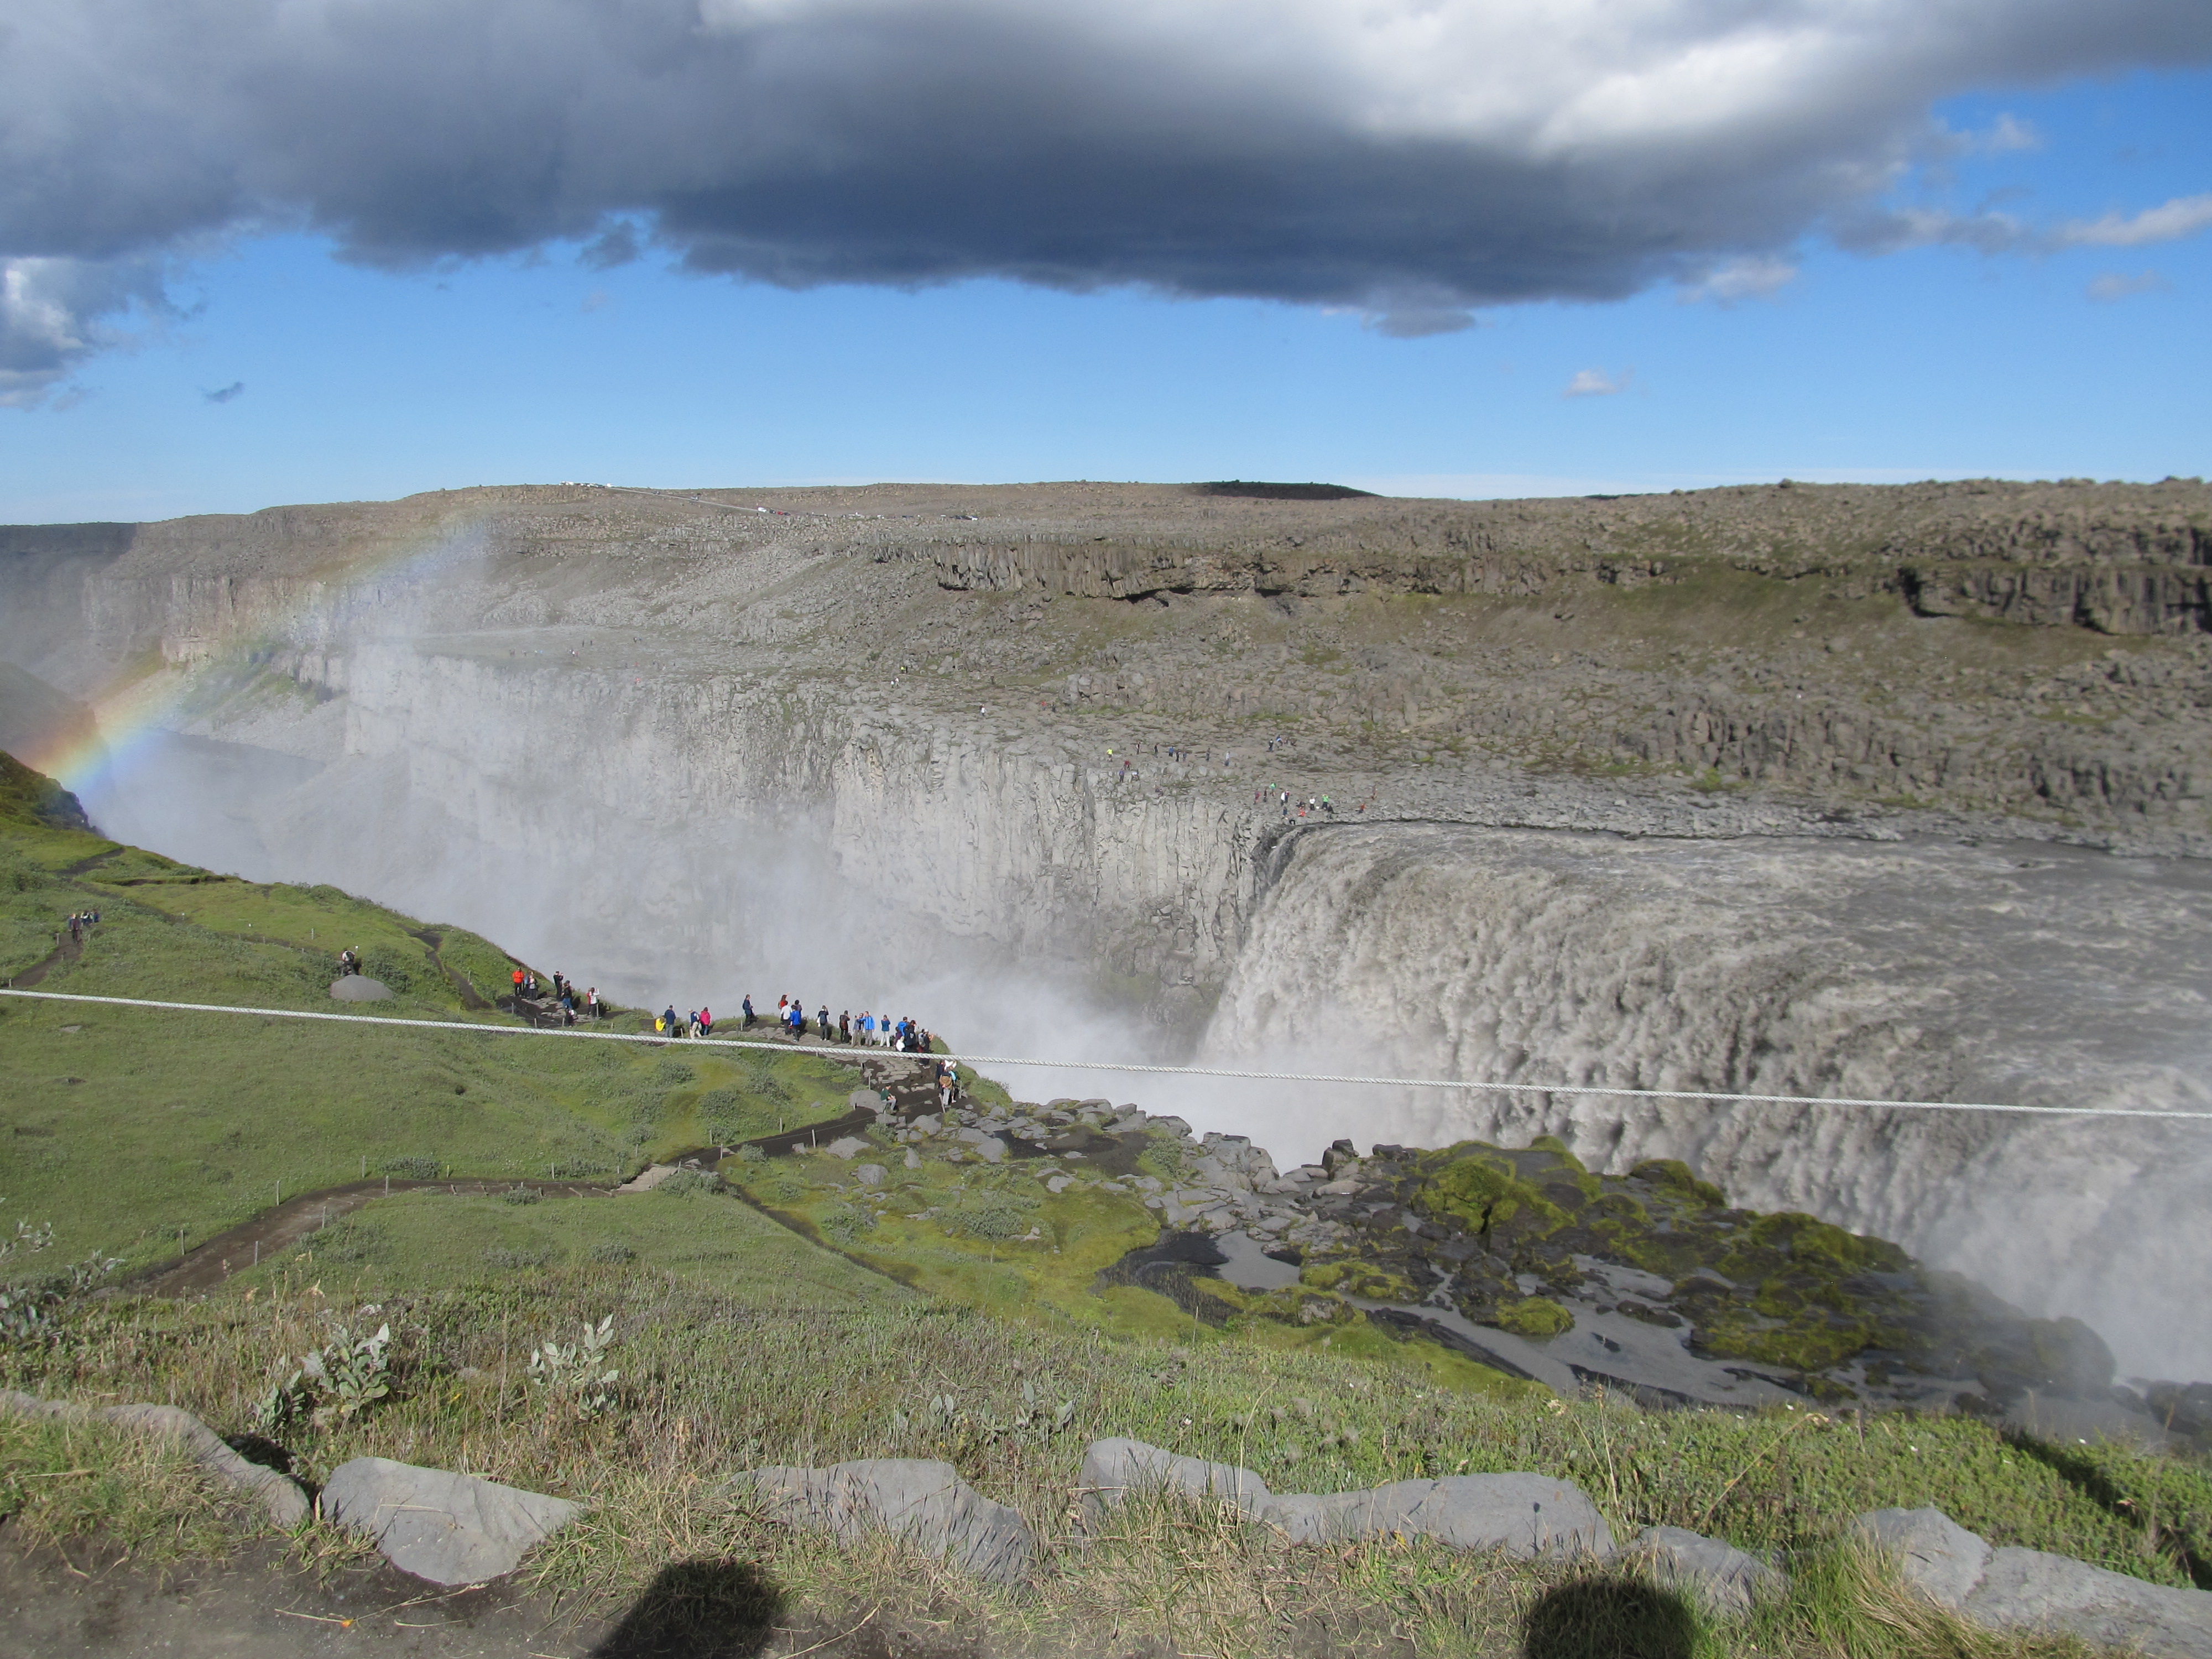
(822, 1020)
(592, 1003)
(845, 1026)
(706, 1022)
(749, 1016)
(668, 1021)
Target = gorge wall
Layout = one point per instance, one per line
(1669, 790)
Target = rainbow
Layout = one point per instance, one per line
(136, 708)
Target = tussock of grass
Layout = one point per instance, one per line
(61, 1481)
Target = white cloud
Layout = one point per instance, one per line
(1759, 278)
(1596, 383)
(54, 313)
(2114, 285)
(2184, 216)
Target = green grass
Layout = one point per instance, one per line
(419, 1243)
(141, 1133)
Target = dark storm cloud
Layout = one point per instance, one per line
(1411, 158)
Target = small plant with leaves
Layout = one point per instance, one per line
(575, 1375)
(28, 1308)
(943, 1418)
(333, 1384)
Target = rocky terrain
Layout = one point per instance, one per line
(1647, 1282)
(1034, 761)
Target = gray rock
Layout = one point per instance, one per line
(648, 1178)
(847, 1147)
(449, 1529)
(1059, 1183)
(864, 1099)
(871, 1174)
(1935, 1554)
(1526, 1515)
(991, 1149)
(2027, 1589)
(912, 1159)
(358, 987)
(1114, 1468)
(1723, 1576)
(921, 1501)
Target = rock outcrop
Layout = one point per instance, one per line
(449, 1529)
(1524, 1516)
(923, 1502)
(2017, 1589)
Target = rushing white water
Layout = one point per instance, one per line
(2003, 972)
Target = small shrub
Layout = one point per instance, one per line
(613, 1251)
(387, 967)
(517, 1261)
(994, 1214)
(520, 1194)
(671, 1072)
(690, 1183)
(751, 1154)
(333, 1384)
(846, 1222)
(575, 1377)
(411, 1169)
(350, 1240)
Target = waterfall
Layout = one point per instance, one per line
(2007, 972)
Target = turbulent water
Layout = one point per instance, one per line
(2012, 972)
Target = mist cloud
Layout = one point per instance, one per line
(1412, 159)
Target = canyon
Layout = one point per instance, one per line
(1880, 791)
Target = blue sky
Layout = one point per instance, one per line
(1936, 361)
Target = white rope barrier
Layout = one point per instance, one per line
(857, 1054)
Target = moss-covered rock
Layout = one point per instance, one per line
(1533, 1316)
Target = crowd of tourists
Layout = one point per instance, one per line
(864, 1030)
(568, 1003)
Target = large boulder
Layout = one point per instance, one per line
(1114, 1468)
(1935, 1554)
(2027, 1589)
(2016, 1589)
(449, 1529)
(921, 1501)
(1525, 1514)
(1723, 1576)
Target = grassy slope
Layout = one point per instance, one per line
(142, 1133)
(741, 1343)
(917, 1227)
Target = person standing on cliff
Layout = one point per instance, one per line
(750, 1015)
(592, 1003)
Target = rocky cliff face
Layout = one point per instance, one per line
(1023, 760)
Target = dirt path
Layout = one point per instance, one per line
(297, 1218)
(472, 999)
(67, 950)
(90, 1601)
